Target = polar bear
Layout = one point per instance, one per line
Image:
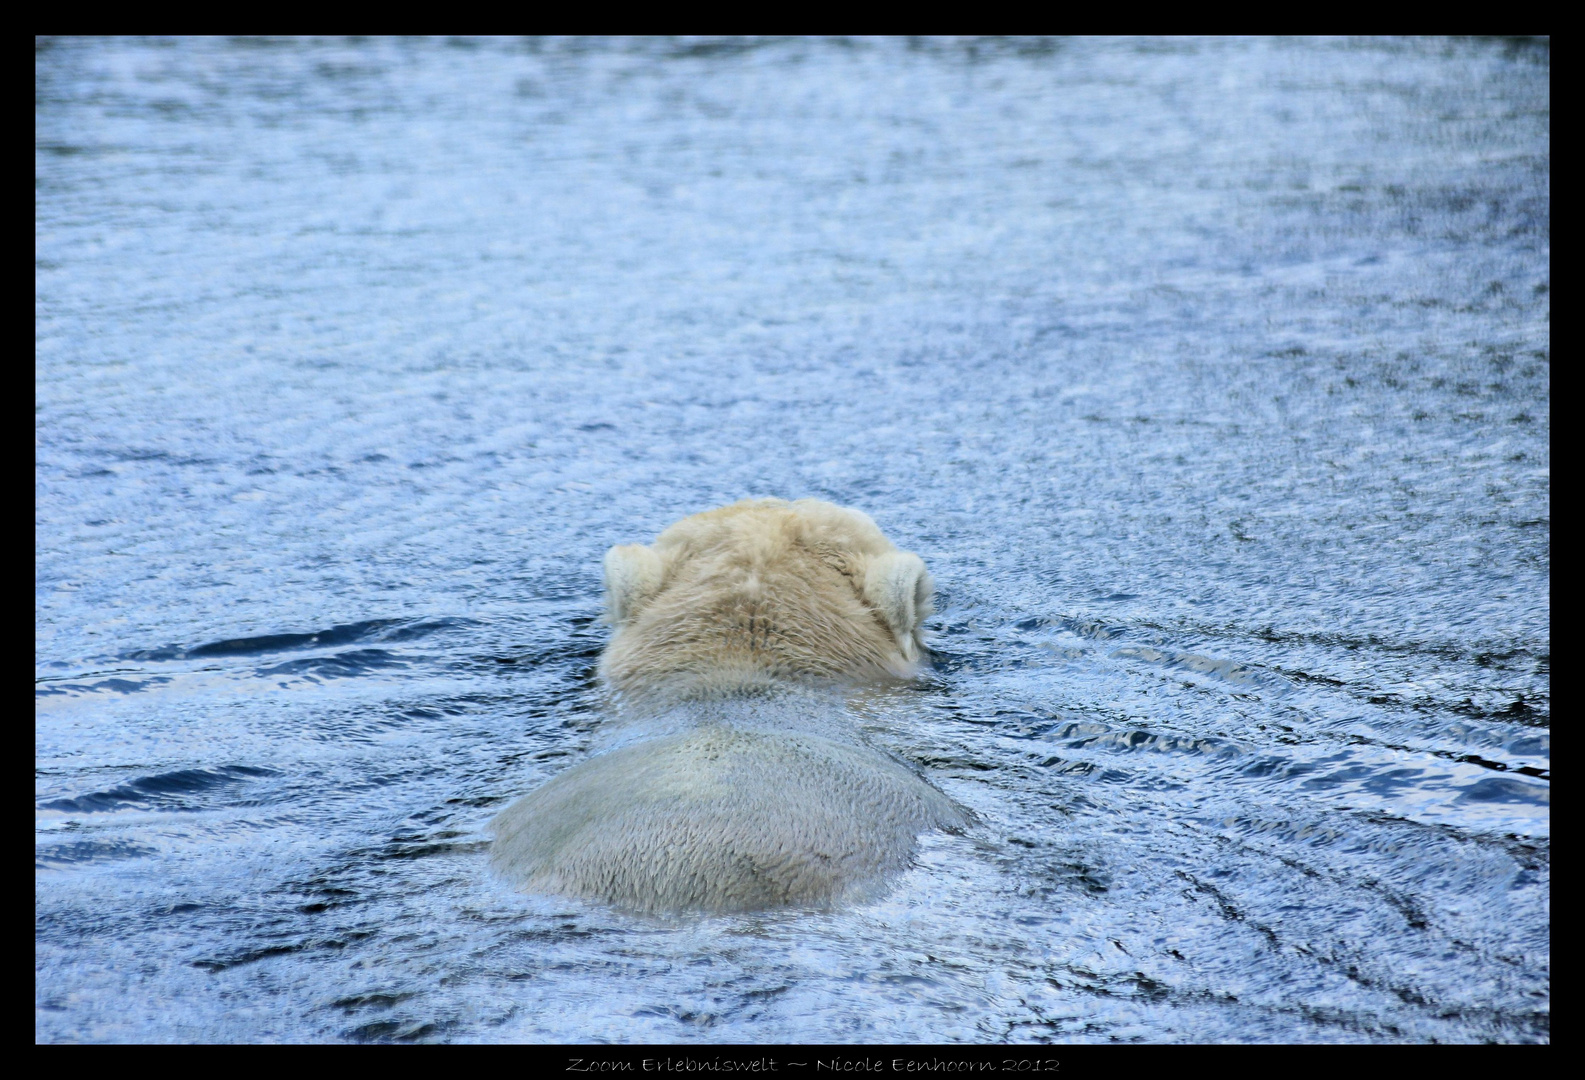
(739, 786)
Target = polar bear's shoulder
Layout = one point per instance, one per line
(720, 819)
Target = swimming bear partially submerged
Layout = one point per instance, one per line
(740, 786)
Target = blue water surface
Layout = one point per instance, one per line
(1210, 378)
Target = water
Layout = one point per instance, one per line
(1210, 379)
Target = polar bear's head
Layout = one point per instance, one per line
(779, 588)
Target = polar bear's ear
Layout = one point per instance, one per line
(632, 575)
(899, 587)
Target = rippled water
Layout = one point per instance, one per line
(1210, 378)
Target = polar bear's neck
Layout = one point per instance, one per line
(706, 640)
(727, 688)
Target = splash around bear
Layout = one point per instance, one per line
(734, 781)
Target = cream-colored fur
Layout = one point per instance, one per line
(734, 811)
(763, 591)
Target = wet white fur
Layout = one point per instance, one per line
(752, 603)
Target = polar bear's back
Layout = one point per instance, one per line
(720, 819)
